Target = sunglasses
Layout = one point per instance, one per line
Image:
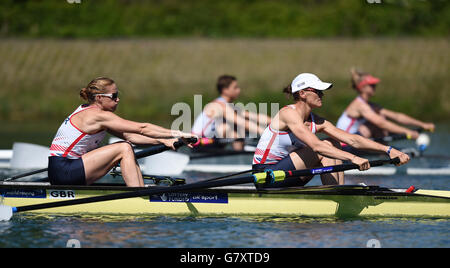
(318, 92)
(112, 96)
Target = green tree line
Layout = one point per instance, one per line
(223, 18)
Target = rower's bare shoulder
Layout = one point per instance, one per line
(356, 108)
(286, 111)
(287, 114)
(213, 109)
(99, 115)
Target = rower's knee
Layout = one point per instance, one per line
(126, 149)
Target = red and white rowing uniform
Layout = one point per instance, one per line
(205, 126)
(71, 142)
(275, 145)
(350, 124)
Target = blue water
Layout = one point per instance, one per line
(242, 232)
(206, 232)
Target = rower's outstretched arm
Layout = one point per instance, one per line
(110, 121)
(360, 142)
(232, 117)
(382, 123)
(260, 118)
(143, 140)
(292, 120)
(134, 138)
(406, 119)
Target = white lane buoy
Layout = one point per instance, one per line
(423, 141)
(6, 213)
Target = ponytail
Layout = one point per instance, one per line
(288, 91)
(96, 86)
(356, 78)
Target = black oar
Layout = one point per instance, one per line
(6, 212)
(156, 149)
(26, 174)
(223, 141)
(219, 154)
(396, 137)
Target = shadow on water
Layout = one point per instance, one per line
(162, 231)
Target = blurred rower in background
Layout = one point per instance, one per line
(221, 119)
(372, 120)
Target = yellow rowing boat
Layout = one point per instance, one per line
(319, 201)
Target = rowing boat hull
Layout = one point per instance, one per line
(316, 202)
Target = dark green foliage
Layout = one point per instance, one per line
(223, 18)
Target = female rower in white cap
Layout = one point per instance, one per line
(371, 120)
(290, 143)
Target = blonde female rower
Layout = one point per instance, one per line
(290, 143)
(75, 158)
(371, 120)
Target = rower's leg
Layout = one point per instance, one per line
(332, 178)
(305, 158)
(365, 131)
(131, 172)
(97, 163)
(369, 130)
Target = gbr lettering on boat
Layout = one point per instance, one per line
(61, 194)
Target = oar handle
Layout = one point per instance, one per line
(161, 148)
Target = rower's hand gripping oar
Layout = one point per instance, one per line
(269, 176)
(162, 148)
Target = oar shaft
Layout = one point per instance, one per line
(220, 154)
(338, 168)
(209, 141)
(26, 174)
(396, 137)
(390, 138)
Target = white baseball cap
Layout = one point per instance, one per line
(307, 80)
